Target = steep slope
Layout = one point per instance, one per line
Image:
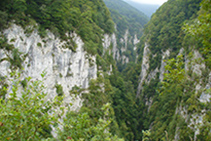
(62, 18)
(147, 9)
(163, 33)
(135, 20)
(174, 81)
(74, 43)
(56, 47)
(64, 40)
(116, 86)
(47, 54)
(129, 28)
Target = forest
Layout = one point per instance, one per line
(147, 9)
(117, 105)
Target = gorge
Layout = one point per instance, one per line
(102, 70)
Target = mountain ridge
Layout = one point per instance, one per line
(148, 9)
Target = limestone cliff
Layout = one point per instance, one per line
(63, 66)
(198, 88)
(174, 77)
(119, 47)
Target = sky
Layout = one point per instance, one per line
(159, 2)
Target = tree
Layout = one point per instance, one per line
(201, 28)
(79, 126)
(146, 135)
(25, 113)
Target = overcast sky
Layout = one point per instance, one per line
(160, 2)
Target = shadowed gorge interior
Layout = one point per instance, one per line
(96, 70)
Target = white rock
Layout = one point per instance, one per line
(62, 66)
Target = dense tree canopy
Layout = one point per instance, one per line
(126, 17)
(164, 29)
(163, 111)
(176, 105)
(89, 19)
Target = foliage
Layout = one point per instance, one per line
(175, 100)
(89, 19)
(3, 21)
(146, 135)
(16, 58)
(176, 90)
(161, 106)
(4, 44)
(126, 17)
(200, 30)
(79, 126)
(176, 103)
(25, 112)
(104, 62)
(125, 107)
(123, 111)
(129, 22)
(147, 9)
(164, 29)
(169, 106)
(131, 73)
(59, 90)
(100, 93)
(3, 87)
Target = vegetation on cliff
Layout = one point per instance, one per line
(147, 9)
(164, 110)
(173, 108)
(129, 24)
(89, 19)
(126, 17)
(26, 114)
(164, 29)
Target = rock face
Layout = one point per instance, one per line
(163, 64)
(144, 68)
(145, 75)
(63, 66)
(197, 66)
(120, 45)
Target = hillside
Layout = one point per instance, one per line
(59, 17)
(126, 17)
(173, 82)
(49, 53)
(147, 9)
(89, 70)
(66, 53)
(129, 28)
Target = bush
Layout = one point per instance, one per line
(3, 21)
(25, 112)
(59, 90)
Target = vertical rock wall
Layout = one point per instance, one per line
(63, 66)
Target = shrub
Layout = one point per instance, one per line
(25, 112)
